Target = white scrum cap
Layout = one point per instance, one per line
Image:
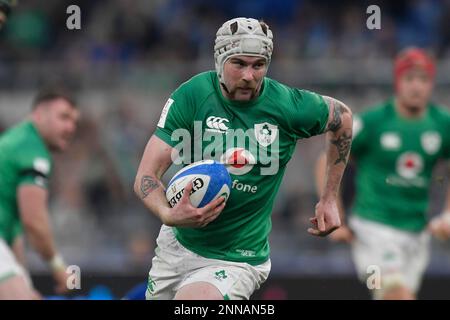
(242, 36)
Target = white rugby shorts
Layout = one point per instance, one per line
(9, 266)
(174, 266)
(401, 256)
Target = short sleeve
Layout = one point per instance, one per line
(34, 170)
(310, 114)
(178, 113)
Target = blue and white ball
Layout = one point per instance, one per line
(210, 180)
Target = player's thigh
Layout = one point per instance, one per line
(418, 260)
(174, 267)
(168, 267)
(15, 282)
(15, 287)
(376, 248)
(161, 281)
(234, 281)
(199, 291)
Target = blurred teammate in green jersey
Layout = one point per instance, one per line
(395, 147)
(25, 167)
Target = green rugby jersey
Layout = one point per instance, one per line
(24, 159)
(395, 157)
(272, 123)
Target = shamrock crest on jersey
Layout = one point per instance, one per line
(265, 133)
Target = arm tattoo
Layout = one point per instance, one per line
(343, 143)
(148, 184)
(336, 122)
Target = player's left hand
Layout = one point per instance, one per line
(60, 277)
(326, 219)
(440, 226)
(35, 295)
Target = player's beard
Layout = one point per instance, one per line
(254, 91)
(414, 109)
(61, 143)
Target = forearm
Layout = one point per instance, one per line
(447, 202)
(339, 138)
(440, 225)
(336, 159)
(320, 177)
(150, 190)
(148, 187)
(320, 173)
(33, 208)
(40, 237)
(18, 247)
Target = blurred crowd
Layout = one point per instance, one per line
(96, 215)
(127, 30)
(116, 35)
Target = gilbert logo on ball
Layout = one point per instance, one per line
(210, 180)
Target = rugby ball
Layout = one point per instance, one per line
(210, 180)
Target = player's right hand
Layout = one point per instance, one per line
(60, 277)
(440, 226)
(342, 234)
(184, 214)
(326, 218)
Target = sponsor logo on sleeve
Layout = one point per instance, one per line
(164, 113)
(41, 165)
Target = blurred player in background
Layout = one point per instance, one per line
(395, 148)
(25, 167)
(5, 10)
(202, 255)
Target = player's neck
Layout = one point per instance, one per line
(406, 112)
(39, 127)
